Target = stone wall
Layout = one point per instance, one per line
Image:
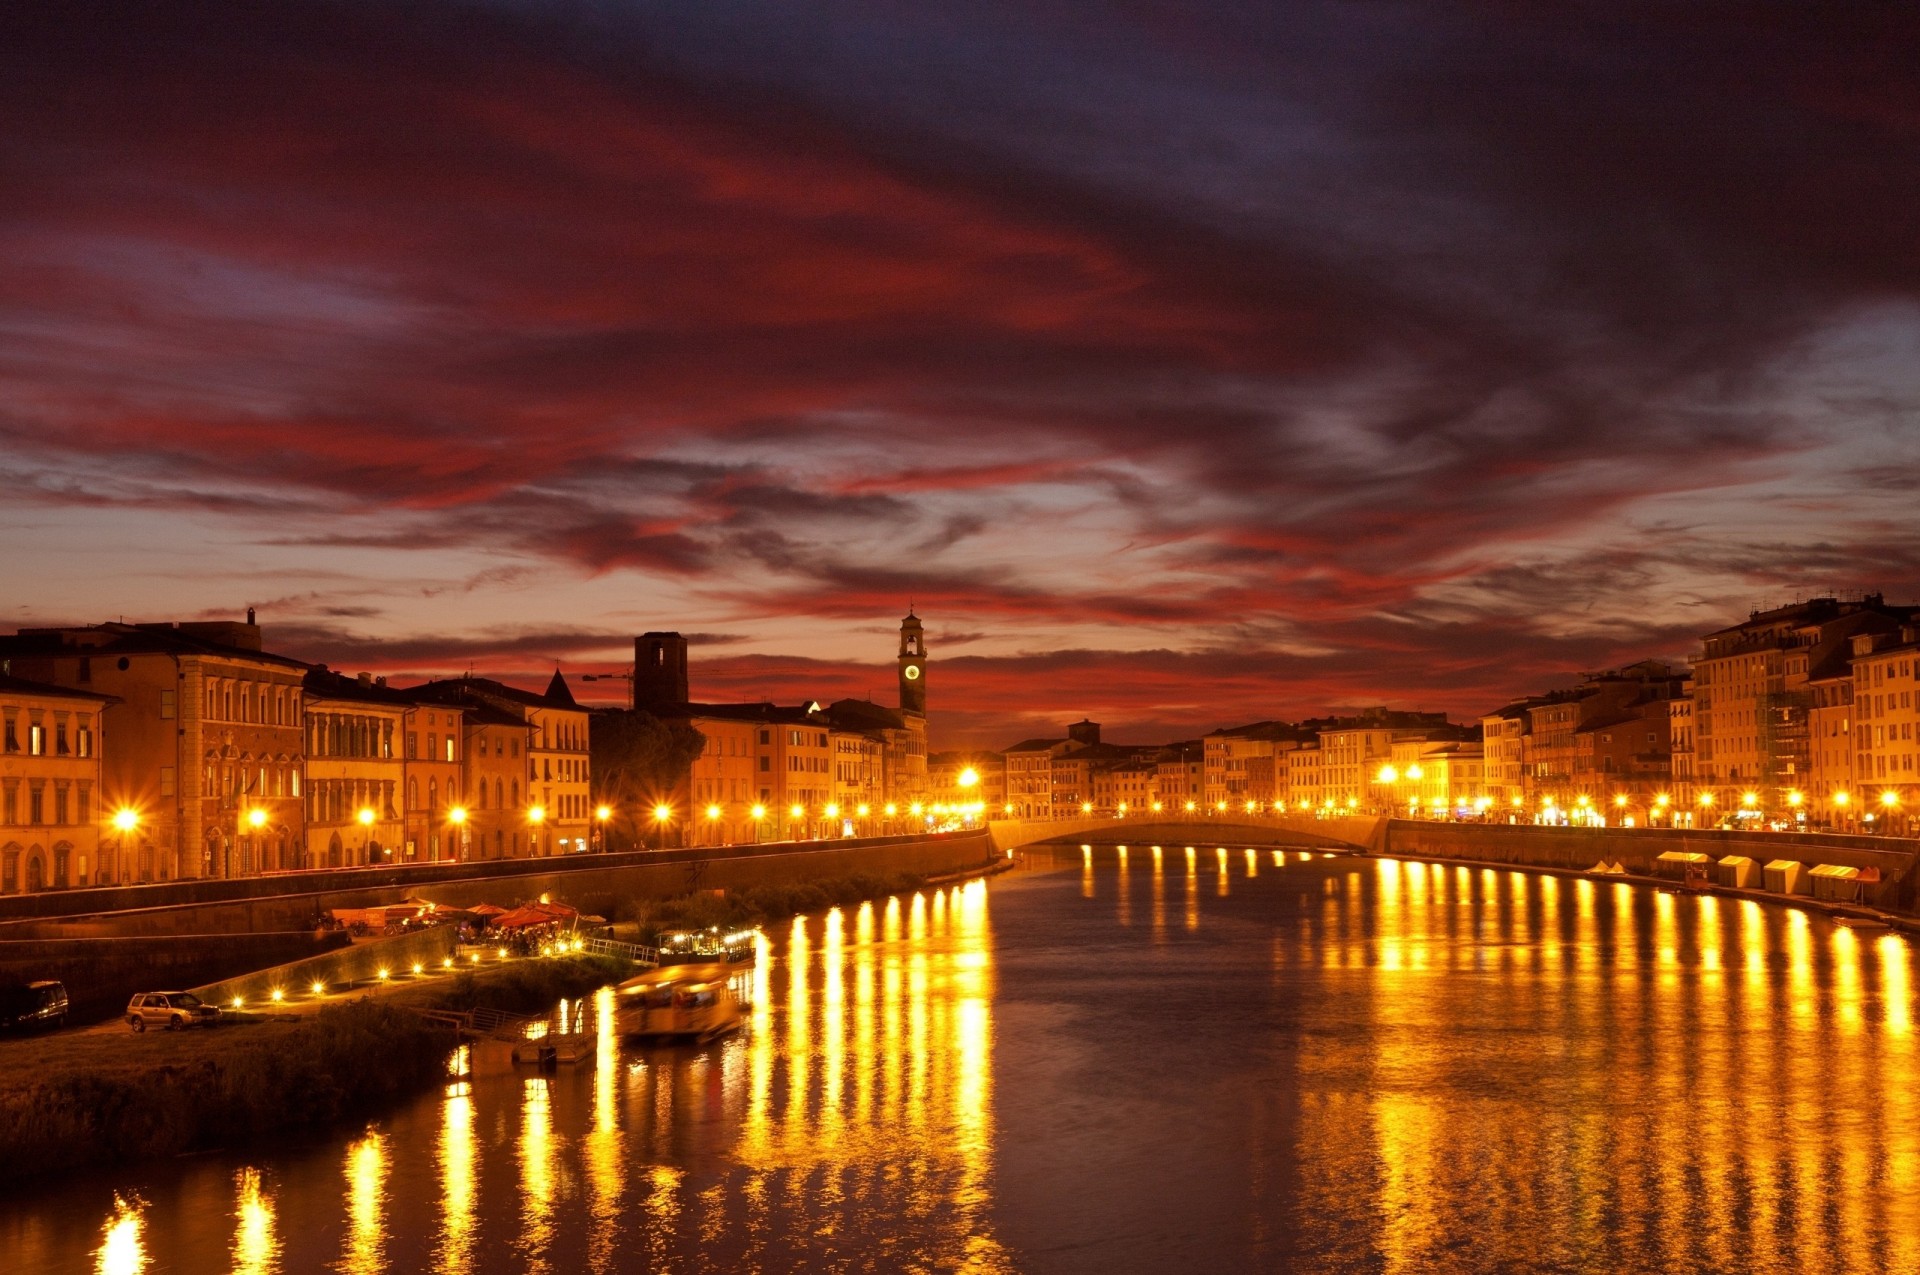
(1343, 832)
(1636, 849)
(358, 963)
(193, 907)
(101, 974)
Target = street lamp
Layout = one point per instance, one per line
(662, 819)
(366, 840)
(125, 820)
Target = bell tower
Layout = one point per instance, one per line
(913, 667)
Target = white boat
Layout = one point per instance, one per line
(694, 1002)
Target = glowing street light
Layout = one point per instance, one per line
(795, 812)
(759, 813)
(1890, 799)
(366, 816)
(1388, 775)
(126, 819)
(713, 813)
(1749, 799)
(1086, 807)
(537, 814)
(457, 815)
(832, 810)
(863, 810)
(1414, 771)
(257, 817)
(1795, 798)
(603, 813)
(969, 778)
(1190, 807)
(1842, 798)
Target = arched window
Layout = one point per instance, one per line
(413, 793)
(433, 794)
(498, 800)
(36, 870)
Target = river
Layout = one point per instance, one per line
(1149, 1060)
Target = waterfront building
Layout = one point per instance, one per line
(1886, 697)
(990, 770)
(1306, 782)
(50, 814)
(1436, 773)
(1353, 749)
(859, 773)
(1180, 774)
(435, 769)
(355, 773)
(1753, 698)
(493, 782)
(1030, 776)
(1504, 740)
(205, 730)
(1832, 796)
(559, 801)
(1569, 767)
(1230, 760)
(1680, 805)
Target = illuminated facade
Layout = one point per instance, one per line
(50, 819)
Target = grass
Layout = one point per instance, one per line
(81, 1100)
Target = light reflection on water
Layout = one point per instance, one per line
(1302, 1062)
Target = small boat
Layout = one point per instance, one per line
(712, 945)
(686, 1001)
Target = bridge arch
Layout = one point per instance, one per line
(1353, 833)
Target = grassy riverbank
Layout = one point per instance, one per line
(80, 1100)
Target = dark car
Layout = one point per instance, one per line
(31, 1006)
(171, 1010)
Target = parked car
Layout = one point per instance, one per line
(171, 1010)
(31, 1006)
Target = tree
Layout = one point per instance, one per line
(639, 761)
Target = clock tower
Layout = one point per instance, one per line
(913, 667)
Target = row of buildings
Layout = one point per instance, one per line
(774, 772)
(1804, 714)
(150, 752)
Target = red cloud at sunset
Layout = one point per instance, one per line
(1240, 364)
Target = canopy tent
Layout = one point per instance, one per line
(534, 914)
(487, 909)
(1787, 876)
(1842, 884)
(1681, 863)
(1605, 869)
(1738, 872)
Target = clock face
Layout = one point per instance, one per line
(913, 672)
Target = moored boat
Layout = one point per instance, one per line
(685, 1001)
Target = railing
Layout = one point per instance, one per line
(494, 1023)
(638, 953)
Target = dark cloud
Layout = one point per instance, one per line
(1298, 354)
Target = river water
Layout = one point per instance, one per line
(1150, 1060)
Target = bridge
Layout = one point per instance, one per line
(1357, 833)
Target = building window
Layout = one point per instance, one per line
(166, 705)
(450, 756)
(12, 735)
(36, 804)
(36, 740)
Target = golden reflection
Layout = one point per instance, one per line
(833, 1023)
(366, 1204)
(535, 1240)
(1220, 857)
(1801, 1001)
(1896, 984)
(1253, 864)
(1193, 891)
(457, 1169)
(1846, 979)
(1159, 897)
(606, 1155)
(256, 1246)
(1124, 913)
(1086, 872)
(122, 1250)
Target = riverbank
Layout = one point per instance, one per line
(74, 1100)
(1807, 903)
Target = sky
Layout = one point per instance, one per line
(1182, 364)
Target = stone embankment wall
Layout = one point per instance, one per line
(1638, 849)
(101, 974)
(358, 963)
(291, 901)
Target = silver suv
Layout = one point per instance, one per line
(171, 1010)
